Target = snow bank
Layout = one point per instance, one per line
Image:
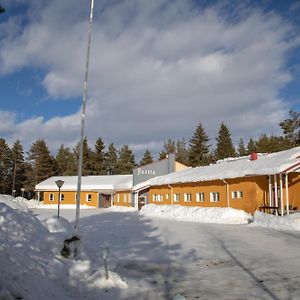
(10, 201)
(121, 208)
(219, 215)
(65, 206)
(287, 222)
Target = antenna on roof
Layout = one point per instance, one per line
(84, 100)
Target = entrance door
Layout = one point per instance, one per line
(104, 200)
(141, 202)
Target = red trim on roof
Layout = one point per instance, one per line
(291, 167)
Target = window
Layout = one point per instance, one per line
(214, 197)
(157, 197)
(237, 194)
(200, 197)
(75, 197)
(187, 197)
(167, 196)
(234, 194)
(118, 197)
(51, 197)
(89, 197)
(125, 198)
(129, 198)
(62, 197)
(176, 197)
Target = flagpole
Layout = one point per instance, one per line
(84, 100)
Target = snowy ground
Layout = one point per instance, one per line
(149, 257)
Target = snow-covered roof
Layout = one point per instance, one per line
(266, 164)
(90, 183)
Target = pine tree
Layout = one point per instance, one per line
(224, 147)
(18, 167)
(182, 153)
(169, 147)
(87, 158)
(241, 148)
(5, 168)
(251, 146)
(291, 129)
(162, 155)
(147, 158)
(125, 162)
(99, 158)
(111, 160)
(65, 162)
(263, 144)
(41, 161)
(199, 147)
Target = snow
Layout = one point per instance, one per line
(220, 215)
(103, 183)
(151, 254)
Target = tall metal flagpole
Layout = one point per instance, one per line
(76, 231)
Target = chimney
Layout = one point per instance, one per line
(253, 156)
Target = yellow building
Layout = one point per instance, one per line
(96, 191)
(267, 182)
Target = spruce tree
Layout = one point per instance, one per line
(87, 158)
(41, 161)
(147, 158)
(263, 144)
(224, 147)
(169, 147)
(182, 153)
(241, 148)
(251, 146)
(99, 158)
(111, 160)
(5, 168)
(291, 129)
(125, 162)
(199, 148)
(65, 162)
(18, 167)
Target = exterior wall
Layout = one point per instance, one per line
(179, 166)
(249, 194)
(123, 198)
(69, 198)
(294, 190)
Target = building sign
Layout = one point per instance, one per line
(140, 171)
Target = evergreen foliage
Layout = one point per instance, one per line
(87, 158)
(125, 163)
(241, 148)
(199, 148)
(251, 147)
(65, 162)
(224, 144)
(147, 158)
(182, 152)
(41, 161)
(2, 10)
(18, 167)
(291, 129)
(111, 160)
(99, 158)
(5, 168)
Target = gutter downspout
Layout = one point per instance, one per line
(172, 194)
(281, 194)
(227, 192)
(276, 192)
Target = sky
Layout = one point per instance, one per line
(157, 69)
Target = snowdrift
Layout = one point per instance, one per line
(218, 215)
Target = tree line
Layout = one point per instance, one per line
(19, 171)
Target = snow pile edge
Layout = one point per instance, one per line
(217, 215)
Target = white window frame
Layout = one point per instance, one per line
(187, 197)
(88, 197)
(51, 197)
(176, 197)
(240, 194)
(200, 197)
(234, 194)
(214, 197)
(129, 198)
(118, 198)
(62, 197)
(167, 196)
(125, 198)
